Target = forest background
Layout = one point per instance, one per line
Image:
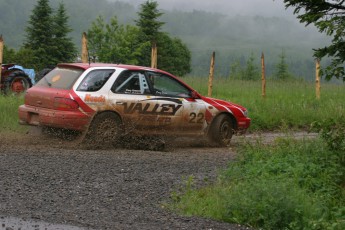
(236, 39)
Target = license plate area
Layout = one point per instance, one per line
(34, 119)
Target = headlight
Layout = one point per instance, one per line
(245, 113)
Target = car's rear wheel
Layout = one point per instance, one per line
(221, 130)
(104, 129)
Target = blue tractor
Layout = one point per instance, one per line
(16, 79)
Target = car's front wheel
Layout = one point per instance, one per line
(104, 129)
(221, 130)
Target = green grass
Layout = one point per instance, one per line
(9, 113)
(290, 185)
(289, 104)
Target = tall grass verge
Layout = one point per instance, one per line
(290, 104)
(9, 113)
(290, 185)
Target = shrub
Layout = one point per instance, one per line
(290, 185)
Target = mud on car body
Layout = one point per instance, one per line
(110, 100)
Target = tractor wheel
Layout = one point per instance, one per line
(104, 130)
(17, 82)
(221, 130)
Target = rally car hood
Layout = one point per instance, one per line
(226, 106)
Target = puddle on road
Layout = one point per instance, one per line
(12, 223)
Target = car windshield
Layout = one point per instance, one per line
(60, 78)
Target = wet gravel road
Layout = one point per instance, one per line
(48, 180)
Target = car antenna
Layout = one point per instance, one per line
(88, 54)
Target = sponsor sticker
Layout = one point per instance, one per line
(94, 99)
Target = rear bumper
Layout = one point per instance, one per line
(74, 120)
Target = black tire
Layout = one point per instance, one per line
(104, 130)
(17, 82)
(221, 130)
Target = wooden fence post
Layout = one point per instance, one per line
(211, 75)
(1, 53)
(263, 75)
(317, 80)
(84, 49)
(154, 55)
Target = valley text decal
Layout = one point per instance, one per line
(151, 109)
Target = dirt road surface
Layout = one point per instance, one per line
(48, 179)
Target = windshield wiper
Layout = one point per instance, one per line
(49, 84)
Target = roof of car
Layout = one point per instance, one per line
(86, 66)
(91, 65)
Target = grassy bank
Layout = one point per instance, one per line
(286, 105)
(9, 113)
(290, 185)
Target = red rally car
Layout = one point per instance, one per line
(113, 100)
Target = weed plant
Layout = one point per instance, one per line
(290, 104)
(290, 185)
(9, 113)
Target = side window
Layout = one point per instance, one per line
(95, 80)
(131, 82)
(164, 85)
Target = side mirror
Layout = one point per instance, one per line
(195, 95)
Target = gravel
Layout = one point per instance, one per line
(51, 180)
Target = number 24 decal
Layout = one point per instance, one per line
(196, 118)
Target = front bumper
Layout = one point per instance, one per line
(243, 124)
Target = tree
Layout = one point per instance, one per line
(173, 55)
(9, 55)
(39, 37)
(149, 28)
(282, 72)
(28, 58)
(24, 57)
(46, 36)
(114, 43)
(251, 72)
(236, 70)
(65, 48)
(148, 20)
(329, 17)
(96, 38)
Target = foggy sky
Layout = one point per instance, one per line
(230, 7)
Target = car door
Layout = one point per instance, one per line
(179, 109)
(130, 96)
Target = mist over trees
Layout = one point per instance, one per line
(234, 38)
(329, 17)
